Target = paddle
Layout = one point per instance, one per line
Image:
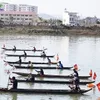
(8, 81)
(37, 71)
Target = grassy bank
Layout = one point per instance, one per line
(38, 30)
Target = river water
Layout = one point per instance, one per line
(81, 50)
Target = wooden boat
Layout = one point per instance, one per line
(16, 62)
(54, 82)
(45, 91)
(50, 76)
(38, 67)
(38, 50)
(13, 55)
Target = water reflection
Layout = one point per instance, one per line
(14, 96)
(80, 97)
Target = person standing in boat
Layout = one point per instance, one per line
(75, 81)
(60, 65)
(14, 82)
(75, 72)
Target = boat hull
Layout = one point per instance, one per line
(10, 62)
(51, 76)
(45, 91)
(11, 55)
(39, 67)
(22, 50)
(55, 82)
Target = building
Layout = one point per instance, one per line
(69, 18)
(88, 21)
(18, 14)
(17, 17)
(26, 8)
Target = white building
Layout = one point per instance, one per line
(69, 18)
(9, 7)
(18, 14)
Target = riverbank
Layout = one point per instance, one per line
(41, 30)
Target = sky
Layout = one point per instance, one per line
(84, 8)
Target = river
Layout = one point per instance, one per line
(81, 50)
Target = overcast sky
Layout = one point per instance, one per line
(84, 8)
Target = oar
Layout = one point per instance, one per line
(37, 71)
(8, 81)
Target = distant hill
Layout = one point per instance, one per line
(47, 16)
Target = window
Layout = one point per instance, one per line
(18, 18)
(2, 14)
(26, 18)
(22, 15)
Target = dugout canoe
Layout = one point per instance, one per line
(16, 55)
(54, 82)
(46, 91)
(50, 76)
(16, 62)
(38, 50)
(39, 67)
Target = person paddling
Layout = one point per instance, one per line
(14, 82)
(20, 60)
(25, 54)
(41, 72)
(30, 64)
(49, 60)
(60, 64)
(75, 81)
(14, 49)
(31, 77)
(43, 54)
(34, 48)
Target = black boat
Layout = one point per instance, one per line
(50, 76)
(54, 82)
(38, 67)
(16, 55)
(45, 91)
(16, 62)
(38, 50)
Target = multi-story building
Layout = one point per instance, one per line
(24, 18)
(18, 14)
(69, 18)
(29, 8)
(9, 7)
